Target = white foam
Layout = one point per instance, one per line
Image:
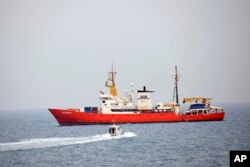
(54, 142)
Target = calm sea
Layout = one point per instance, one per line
(33, 138)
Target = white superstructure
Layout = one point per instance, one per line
(144, 101)
(118, 105)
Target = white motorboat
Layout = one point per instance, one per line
(115, 130)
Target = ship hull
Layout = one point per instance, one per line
(76, 117)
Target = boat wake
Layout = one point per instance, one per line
(54, 142)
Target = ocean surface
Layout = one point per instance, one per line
(34, 138)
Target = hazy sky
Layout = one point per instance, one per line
(56, 53)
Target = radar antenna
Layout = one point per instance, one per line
(176, 78)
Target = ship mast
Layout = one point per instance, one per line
(176, 78)
(110, 83)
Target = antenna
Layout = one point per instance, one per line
(176, 78)
(132, 93)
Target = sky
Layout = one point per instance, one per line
(56, 53)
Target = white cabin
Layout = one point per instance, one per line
(144, 101)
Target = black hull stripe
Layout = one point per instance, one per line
(110, 123)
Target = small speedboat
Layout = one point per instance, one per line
(115, 130)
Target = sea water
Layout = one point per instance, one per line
(34, 138)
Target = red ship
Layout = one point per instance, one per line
(137, 108)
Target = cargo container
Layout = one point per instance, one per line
(87, 109)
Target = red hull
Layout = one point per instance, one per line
(219, 116)
(76, 117)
